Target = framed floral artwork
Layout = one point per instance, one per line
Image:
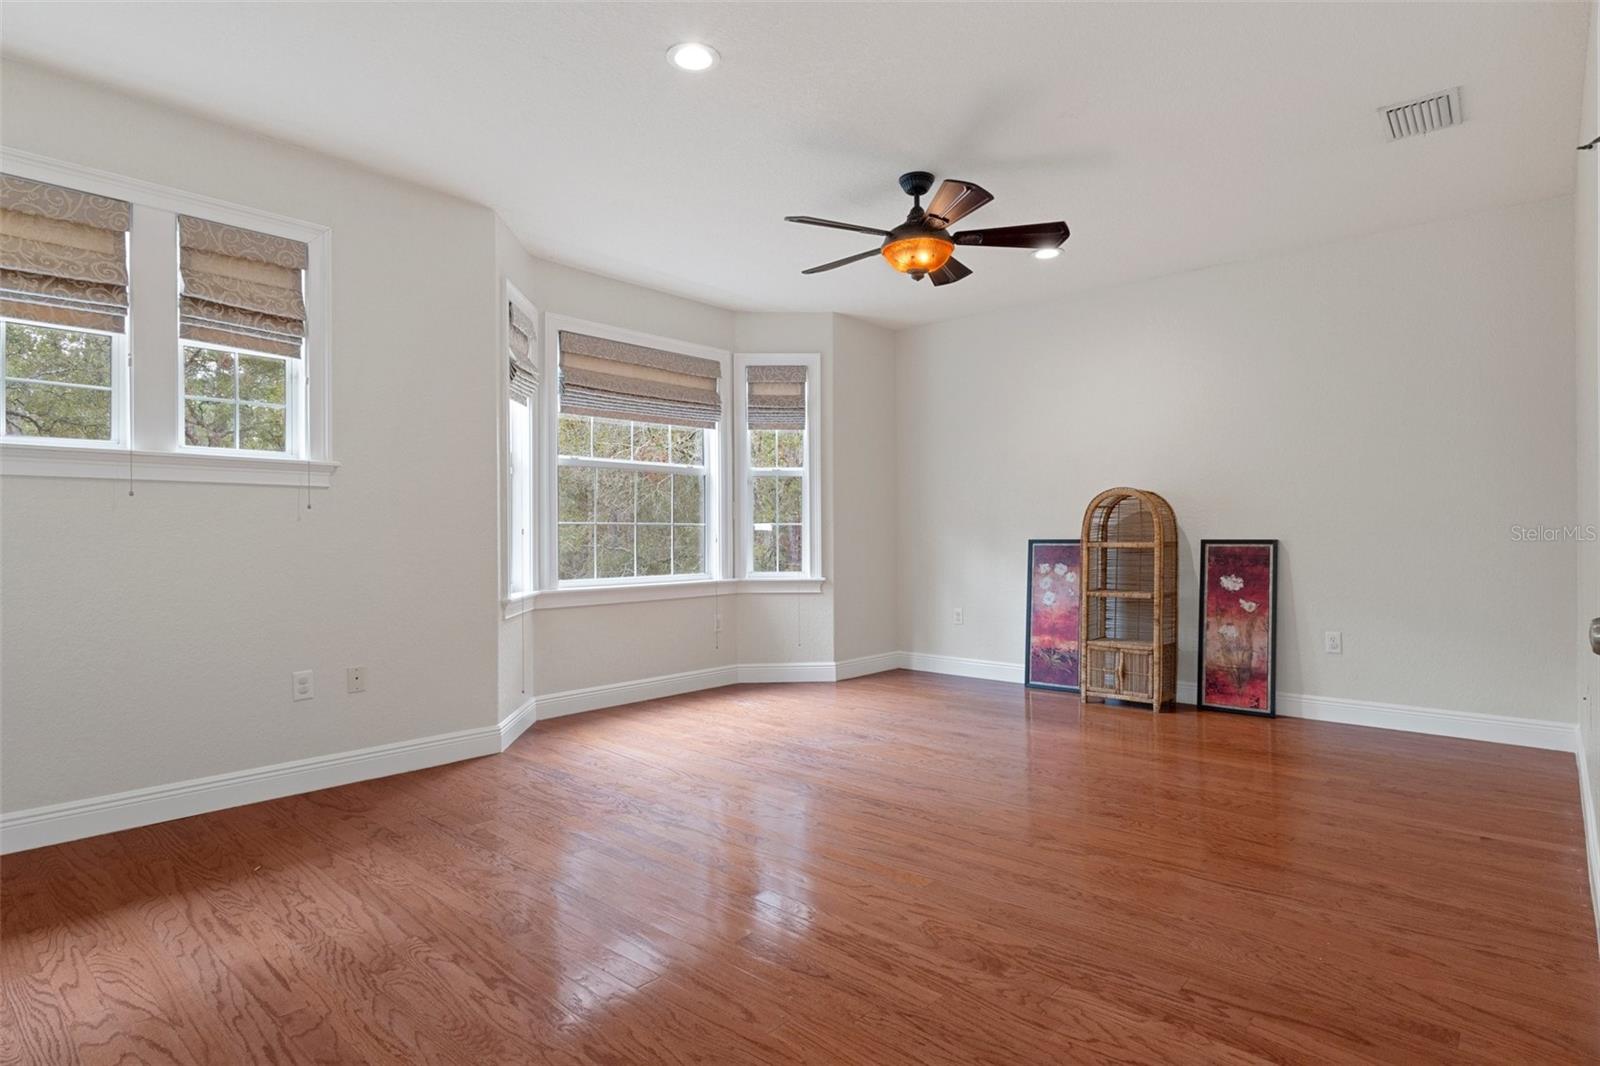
(1051, 657)
(1238, 623)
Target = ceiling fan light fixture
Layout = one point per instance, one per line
(919, 254)
(692, 56)
(1046, 253)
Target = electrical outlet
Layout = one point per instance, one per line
(355, 679)
(1333, 642)
(302, 687)
(960, 617)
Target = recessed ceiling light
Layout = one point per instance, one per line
(692, 55)
(1047, 253)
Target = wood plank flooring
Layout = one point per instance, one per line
(898, 869)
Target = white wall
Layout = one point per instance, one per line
(149, 640)
(1388, 407)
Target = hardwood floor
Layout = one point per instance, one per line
(898, 869)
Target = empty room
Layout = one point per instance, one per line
(860, 534)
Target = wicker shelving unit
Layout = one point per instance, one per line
(1130, 599)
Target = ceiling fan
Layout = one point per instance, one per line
(921, 246)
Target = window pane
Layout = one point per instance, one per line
(686, 554)
(791, 449)
(789, 549)
(612, 440)
(573, 435)
(789, 499)
(763, 448)
(655, 500)
(764, 543)
(650, 443)
(613, 498)
(208, 423)
(263, 379)
(58, 411)
(58, 355)
(208, 372)
(614, 550)
(688, 446)
(655, 550)
(574, 494)
(576, 552)
(262, 428)
(764, 499)
(686, 499)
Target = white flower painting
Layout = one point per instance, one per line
(1248, 606)
(1053, 615)
(1232, 582)
(1049, 599)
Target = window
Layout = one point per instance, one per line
(229, 308)
(62, 384)
(522, 390)
(630, 499)
(778, 498)
(237, 400)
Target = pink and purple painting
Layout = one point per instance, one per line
(1238, 581)
(1053, 614)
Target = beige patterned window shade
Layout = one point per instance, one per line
(241, 289)
(524, 371)
(611, 379)
(777, 397)
(63, 255)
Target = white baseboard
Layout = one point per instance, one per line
(55, 824)
(983, 669)
(1466, 725)
(769, 673)
(517, 722)
(599, 697)
(845, 669)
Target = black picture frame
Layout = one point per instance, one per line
(1027, 618)
(1271, 710)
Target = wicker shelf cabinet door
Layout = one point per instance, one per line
(1129, 589)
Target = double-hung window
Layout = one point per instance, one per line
(636, 463)
(522, 392)
(135, 319)
(777, 466)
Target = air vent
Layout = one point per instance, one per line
(1436, 112)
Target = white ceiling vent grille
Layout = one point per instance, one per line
(1416, 117)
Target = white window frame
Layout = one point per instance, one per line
(552, 591)
(811, 522)
(151, 446)
(119, 388)
(294, 428)
(521, 532)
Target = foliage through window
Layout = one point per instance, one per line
(59, 383)
(235, 400)
(630, 499)
(777, 500)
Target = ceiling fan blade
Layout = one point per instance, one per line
(952, 271)
(846, 261)
(1034, 235)
(807, 220)
(956, 200)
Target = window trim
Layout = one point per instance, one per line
(153, 427)
(510, 595)
(811, 568)
(717, 549)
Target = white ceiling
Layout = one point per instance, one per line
(1169, 137)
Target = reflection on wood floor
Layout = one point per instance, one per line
(897, 869)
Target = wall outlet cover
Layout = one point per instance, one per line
(301, 685)
(355, 679)
(1333, 642)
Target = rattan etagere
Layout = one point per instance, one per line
(1130, 599)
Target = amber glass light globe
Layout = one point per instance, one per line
(918, 254)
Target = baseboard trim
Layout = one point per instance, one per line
(1464, 725)
(599, 697)
(775, 673)
(845, 669)
(982, 669)
(1587, 796)
(58, 823)
(517, 722)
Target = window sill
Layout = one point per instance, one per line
(597, 595)
(19, 459)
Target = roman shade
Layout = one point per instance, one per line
(777, 397)
(612, 379)
(524, 372)
(63, 255)
(241, 289)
